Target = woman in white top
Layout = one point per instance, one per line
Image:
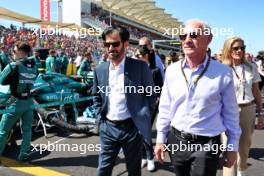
(246, 78)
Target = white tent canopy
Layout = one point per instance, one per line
(11, 15)
(142, 11)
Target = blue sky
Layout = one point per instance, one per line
(246, 18)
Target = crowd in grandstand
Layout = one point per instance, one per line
(76, 47)
(71, 46)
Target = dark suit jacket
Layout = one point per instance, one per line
(157, 78)
(140, 105)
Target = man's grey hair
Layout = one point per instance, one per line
(205, 27)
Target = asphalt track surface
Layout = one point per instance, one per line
(77, 155)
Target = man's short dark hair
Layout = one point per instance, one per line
(23, 46)
(123, 33)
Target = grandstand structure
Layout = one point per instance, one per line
(140, 17)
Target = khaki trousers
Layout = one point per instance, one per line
(247, 125)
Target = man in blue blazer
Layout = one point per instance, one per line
(124, 98)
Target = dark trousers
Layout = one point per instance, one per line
(112, 138)
(196, 161)
(147, 150)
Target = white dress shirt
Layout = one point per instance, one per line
(207, 109)
(117, 104)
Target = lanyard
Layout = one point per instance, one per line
(198, 78)
(241, 79)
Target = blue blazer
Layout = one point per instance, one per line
(140, 105)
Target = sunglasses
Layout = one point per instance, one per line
(114, 44)
(192, 35)
(239, 47)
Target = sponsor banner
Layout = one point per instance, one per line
(44, 11)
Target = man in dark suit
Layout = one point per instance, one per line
(124, 99)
